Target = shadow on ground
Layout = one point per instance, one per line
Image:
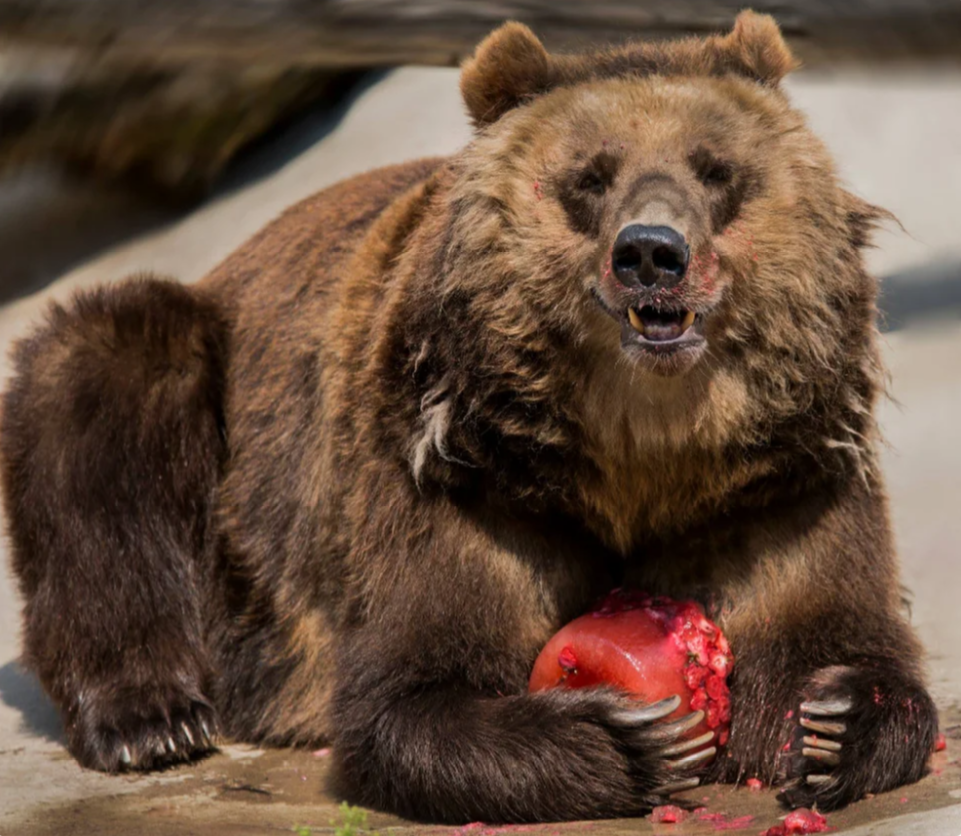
(20, 691)
(47, 227)
(926, 291)
(287, 141)
(50, 224)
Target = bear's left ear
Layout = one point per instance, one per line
(758, 49)
(509, 66)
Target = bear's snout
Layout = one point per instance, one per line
(649, 256)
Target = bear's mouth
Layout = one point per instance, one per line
(661, 331)
(659, 326)
(668, 339)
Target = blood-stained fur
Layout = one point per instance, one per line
(344, 489)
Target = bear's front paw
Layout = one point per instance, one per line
(113, 729)
(859, 730)
(642, 732)
(654, 754)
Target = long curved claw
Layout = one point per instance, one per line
(649, 713)
(828, 708)
(823, 728)
(687, 745)
(677, 786)
(830, 758)
(672, 731)
(823, 743)
(816, 780)
(693, 760)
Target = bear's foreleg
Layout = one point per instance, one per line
(827, 692)
(431, 715)
(112, 441)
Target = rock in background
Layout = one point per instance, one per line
(161, 94)
(166, 131)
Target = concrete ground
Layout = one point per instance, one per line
(898, 142)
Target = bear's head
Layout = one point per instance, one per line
(652, 235)
(665, 182)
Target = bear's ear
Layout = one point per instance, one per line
(758, 49)
(509, 66)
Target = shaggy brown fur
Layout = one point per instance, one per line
(346, 488)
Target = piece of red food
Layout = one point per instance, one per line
(799, 822)
(940, 744)
(653, 647)
(668, 814)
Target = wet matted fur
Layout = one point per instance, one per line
(345, 488)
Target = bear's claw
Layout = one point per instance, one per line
(822, 743)
(693, 760)
(822, 755)
(671, 731)
(671, 734)
(649, 713)
(119, 730)
(678, 786)
(823, 750)
(686, 745)
(851, 719)
(827, 708)
(823, 728)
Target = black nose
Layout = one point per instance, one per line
(649, 255)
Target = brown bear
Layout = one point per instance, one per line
(344, 489)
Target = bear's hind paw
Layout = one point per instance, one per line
(141, 729)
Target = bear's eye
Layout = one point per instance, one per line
(719, 174)
(590, 181)
(581, 188)
(711, 170)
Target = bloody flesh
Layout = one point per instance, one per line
(652, 647)
(802, 821)
(668, 814)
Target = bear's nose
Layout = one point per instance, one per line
(649, 255)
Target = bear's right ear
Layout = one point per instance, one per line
(508, 67)
(757, 48)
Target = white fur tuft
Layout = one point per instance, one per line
(435, 415)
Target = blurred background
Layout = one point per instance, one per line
(160, 134)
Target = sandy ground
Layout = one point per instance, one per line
(898, 143)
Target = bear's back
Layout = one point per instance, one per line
(298, 254)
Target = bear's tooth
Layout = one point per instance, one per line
(688, 321)
(636, 323)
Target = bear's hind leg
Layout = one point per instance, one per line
(112, 443)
